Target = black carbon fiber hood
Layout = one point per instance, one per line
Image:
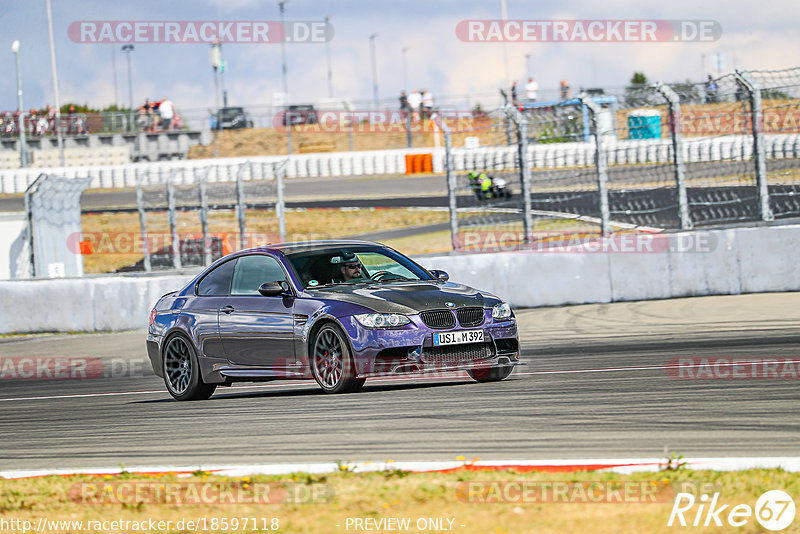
(407, 298)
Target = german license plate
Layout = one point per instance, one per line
(456, 338)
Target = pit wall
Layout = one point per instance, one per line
(712, 262)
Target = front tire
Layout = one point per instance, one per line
(331, 362)
(182, 371)
(491, 374)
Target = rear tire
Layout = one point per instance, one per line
(491, 374)
(331, 362)
(182, 371)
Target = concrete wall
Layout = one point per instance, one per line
(715, 262)
(81, 157)
(82, 304)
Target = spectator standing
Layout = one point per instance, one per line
(514, 101)
(427, 104)
(531, 90)
(42, 126)
(404, 107)
(51, 118)
(155, 115)
(71, 119)
(414, 102)
(34, 119)
(148, 113)
(167, 111)
(564, 90)
(711, 90)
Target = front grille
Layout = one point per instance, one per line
(468, 352)
(470, 316)
(438, 319)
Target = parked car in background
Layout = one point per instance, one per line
(231, 118)
(299, 114)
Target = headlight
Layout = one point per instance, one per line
(501, 311)
(382, 320)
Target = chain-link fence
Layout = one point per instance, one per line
(780, 102)
(651, 158)
(484, 173)
(196, 216)
(52, 213)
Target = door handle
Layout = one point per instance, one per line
(227, 309)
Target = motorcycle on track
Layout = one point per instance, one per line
(486, 187)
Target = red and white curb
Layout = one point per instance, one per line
(622, 466)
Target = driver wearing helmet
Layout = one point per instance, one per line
(346, 266)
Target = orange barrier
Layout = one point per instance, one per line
(419, 163)
(427, 162)
(409, 163)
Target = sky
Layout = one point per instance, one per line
(754, 36)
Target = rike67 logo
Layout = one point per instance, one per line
(774, 510)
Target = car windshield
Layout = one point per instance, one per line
(353, 265)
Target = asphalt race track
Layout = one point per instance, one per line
(595, 387)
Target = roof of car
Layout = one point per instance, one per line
(288, 248)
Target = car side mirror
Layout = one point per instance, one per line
(273, 289)
(440, 275)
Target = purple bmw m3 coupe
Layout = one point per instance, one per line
(337, 311)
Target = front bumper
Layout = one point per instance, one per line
(410, 351)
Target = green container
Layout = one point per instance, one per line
(644, 124)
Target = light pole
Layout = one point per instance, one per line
(222, 68)
(287, 119)
(215, 57)
(281, 5)
(23, 153)
(504, 15)
(328, 54)
(128, 48)
(374, 70)
(405, 72)
(527, 66)
(55, 86)
(114, 65)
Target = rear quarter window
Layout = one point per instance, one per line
(218, 281)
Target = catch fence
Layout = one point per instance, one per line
(651, 158)
(197, 215)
